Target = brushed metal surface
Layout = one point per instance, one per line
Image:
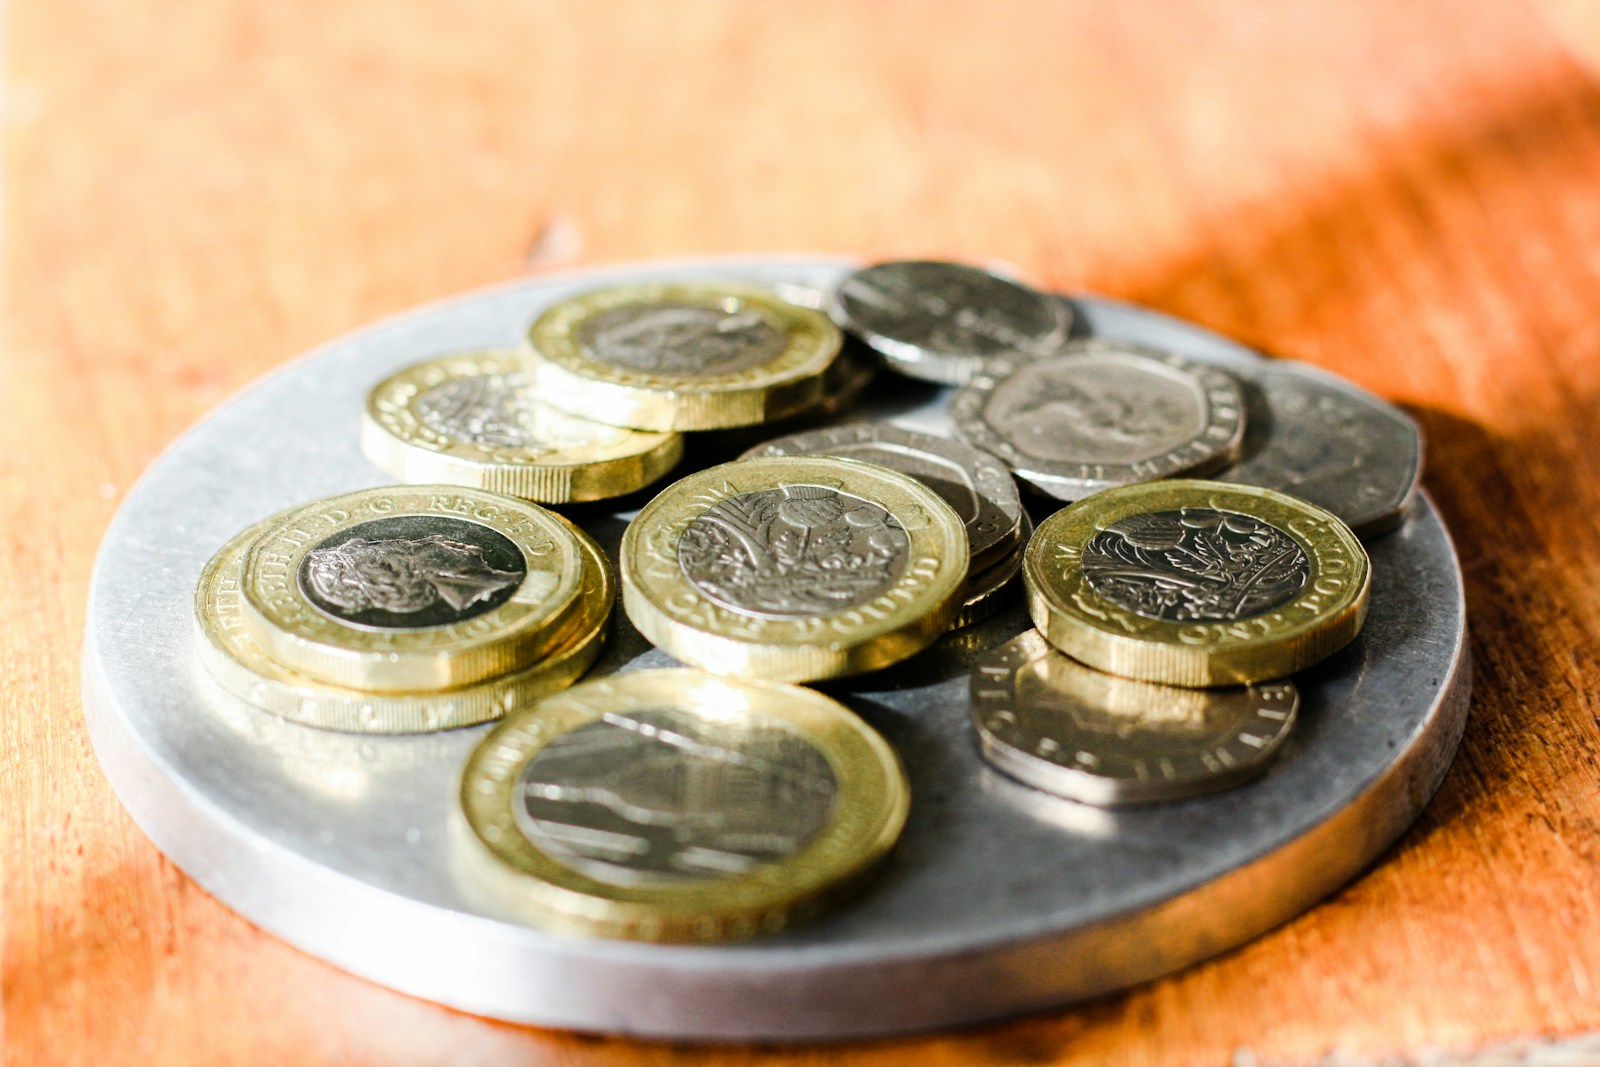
(999, 900)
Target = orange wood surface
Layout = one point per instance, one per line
(1405, 192)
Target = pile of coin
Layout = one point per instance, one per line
(727, 801)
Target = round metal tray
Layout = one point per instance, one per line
(999, 899)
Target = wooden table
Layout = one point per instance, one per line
(1408, 193)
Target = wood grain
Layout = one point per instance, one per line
(1405, 193)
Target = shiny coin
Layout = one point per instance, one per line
(475, 419)
(1322, 439)
(681, 356)
(1100, 415)
(943, 321)
(412, 588)
(671, 805)
(242, 667)
(794, 568)
(1057, 725)
(975, 484)
(1196, 583)
(988, 591)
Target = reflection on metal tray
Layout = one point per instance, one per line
(1000, 899)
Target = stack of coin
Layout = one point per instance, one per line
(403, 609)
(976, 485)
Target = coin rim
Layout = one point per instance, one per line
(993, 693)
(660, 599)
(1094, 630)
(395, 438)
(868, 813)
(302, 637)
(242, 667)
(1224, 418)
(788, 383)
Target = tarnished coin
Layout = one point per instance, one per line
(412, 588)
(671, 805)
(1051, 722)
(794, 568)
(1320, 438)
(1101, 414)
(1196, 583)
(681, 356)
(476, 419)
(942, 322)
(975, 484)
(242, 667)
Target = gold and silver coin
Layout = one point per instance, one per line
(794, 568)
(943, 322)
(1101, 414)
(411, 588)
(1196, 583)
(671, 805)
(475, 419)
(681, 356)
(242, 667)
(1051, 722)
(1320, 438)
(975, 484)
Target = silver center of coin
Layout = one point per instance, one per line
(681, 339)
(663, 796)
(1195, 565)
(1091, 410)
(796, 552)
(497, 411)
(413, 571)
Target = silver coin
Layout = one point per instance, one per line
(1320, 438)
(1047, 720)
(943, 321)
(1099, 415)
(975, 484)
(988, 591)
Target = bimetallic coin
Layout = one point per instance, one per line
(1101, 414)
(672, 805)
(1051, 722)
(475, 419)
(412, 588)
(1196, 583)
(242, 667)
(794, 568)
(942, 322)
(681, 356)
(975, 484)
(1322, 439)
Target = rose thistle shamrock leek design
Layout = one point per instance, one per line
(1195, 565)
(798, 551)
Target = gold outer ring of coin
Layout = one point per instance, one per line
(1324, 616)
(585, 461)
(572, 380)
(670, 610)
(868, 812)
(1057, 725)
(295, 632)
(242, 668)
